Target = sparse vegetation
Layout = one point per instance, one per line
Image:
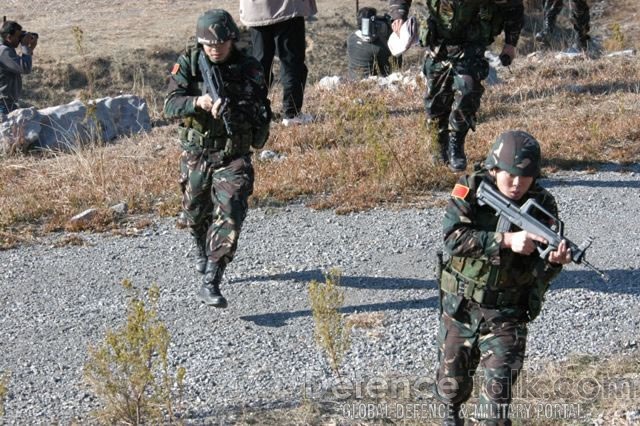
(332, 333)
(617, 40)
(129, 371)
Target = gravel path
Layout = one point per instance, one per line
(57, 301)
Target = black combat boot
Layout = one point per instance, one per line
(452, 416)
(201, 253)
(210, 291)
(455, 151)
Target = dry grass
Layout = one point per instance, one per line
(368, 147)
(47, 191)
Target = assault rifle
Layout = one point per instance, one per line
(214, 86)
(523, 218)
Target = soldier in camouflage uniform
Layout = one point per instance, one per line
(493, 284)
(579, 19)
(216, 174)
(456, 36)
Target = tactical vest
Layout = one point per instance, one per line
(202, 132)
(463, 21)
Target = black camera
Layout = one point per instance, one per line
(376, 27)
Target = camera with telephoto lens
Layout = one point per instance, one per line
(376, 27)
(373, 26)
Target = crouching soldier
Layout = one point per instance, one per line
(217, 134)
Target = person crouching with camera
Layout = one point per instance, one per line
(12, 65)
(367, 47)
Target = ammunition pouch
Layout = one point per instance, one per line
(230, 147)
(453, 282)
(193, 140)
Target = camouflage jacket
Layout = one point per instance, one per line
(471, 240)
(249, 111)
(454, 22)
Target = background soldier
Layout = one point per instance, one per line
(494, 282)
(457, 37)
(216, 171)
(12, 65)
(579, 18)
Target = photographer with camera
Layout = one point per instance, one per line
(12, 65)
(367, 47)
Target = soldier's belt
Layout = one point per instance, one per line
(453, 282)
(202, 140)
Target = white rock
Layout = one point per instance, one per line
(329, 82)
(64, 127)
(84, 216)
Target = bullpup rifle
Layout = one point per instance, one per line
(214, 87)
(523, 218)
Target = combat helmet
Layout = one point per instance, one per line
(516, 152)
(216, 26)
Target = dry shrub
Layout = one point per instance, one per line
(4, 380)
(129, 370)
(332, 333)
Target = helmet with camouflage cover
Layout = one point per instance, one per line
(516, 152)
(215, 27)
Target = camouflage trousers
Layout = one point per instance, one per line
(579, 14)
(454, 86)
(215, 200)
(470, 337)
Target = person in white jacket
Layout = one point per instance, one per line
(278, 29)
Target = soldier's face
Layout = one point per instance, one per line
(218, 52)
(510, 185)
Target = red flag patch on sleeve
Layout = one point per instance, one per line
(175, 69)
(460, 191)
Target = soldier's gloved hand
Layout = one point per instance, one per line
(507, 55)
(204, 102)
(216, 109)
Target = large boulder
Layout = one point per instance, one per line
(64, 127)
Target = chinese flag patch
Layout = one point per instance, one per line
(460, 191)
(175, 69)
